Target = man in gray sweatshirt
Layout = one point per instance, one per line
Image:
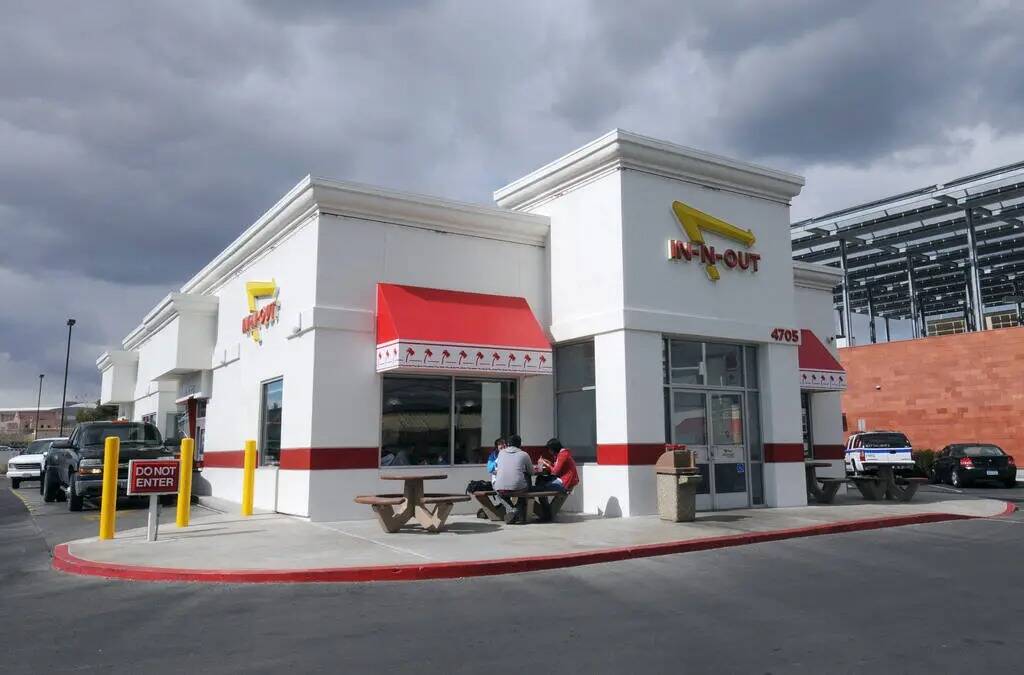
(514, 469)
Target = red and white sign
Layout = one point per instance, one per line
(152, 476)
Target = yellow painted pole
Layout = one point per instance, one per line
(185, 482)
(108, 500)
(248, 477)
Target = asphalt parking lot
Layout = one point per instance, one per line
(57, 524)
(868, 602)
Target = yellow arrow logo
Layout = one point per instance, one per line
(258, 289)
(695, 222)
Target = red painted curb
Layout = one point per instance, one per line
(65, 561)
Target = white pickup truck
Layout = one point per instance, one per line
(867, 450)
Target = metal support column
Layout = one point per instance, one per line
(1017, 291)
(847, 323)
(969, 323)
(974, 276)
(888, 331)
(871, 316)
(924, 320)
(913, 296)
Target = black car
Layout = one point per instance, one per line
(961, 464)
(74, 468)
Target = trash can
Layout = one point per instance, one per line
(678, 479)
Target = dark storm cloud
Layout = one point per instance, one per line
(813, 81)
(136, 140)
(891, 76)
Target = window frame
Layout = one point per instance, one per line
(261, 448)
(516, 388)
(556, 390)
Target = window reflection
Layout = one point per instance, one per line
(725, 365)
(420, 426)
(416, 421)
(271, 409)
(484, 411)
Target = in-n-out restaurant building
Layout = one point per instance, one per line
(630, 293)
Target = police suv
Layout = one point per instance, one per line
(868, 450)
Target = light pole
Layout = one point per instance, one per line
(67, 360)
(38, 399)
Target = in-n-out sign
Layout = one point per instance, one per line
(695, 223)
(259, 318)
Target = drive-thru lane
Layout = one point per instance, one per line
(859, 602)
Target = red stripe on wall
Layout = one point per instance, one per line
(783, 452)
(829, 452)
(302, 459)
(629, 453)
(229, 459)
(322, 459)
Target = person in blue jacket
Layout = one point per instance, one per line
(492, 459)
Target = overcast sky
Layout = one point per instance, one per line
(138, 139)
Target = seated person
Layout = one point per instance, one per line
(513, 470)
(492, 459)
(563, 473)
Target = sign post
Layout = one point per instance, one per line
(153, 477)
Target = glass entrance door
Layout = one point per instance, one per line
(727, 451)
(690, 426)
(712, 426)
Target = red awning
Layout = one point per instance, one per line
(433, 329)
(819, 370)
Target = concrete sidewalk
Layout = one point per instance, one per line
(276, 548)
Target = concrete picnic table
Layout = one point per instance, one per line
(430, 510)
(821, 490)
(884, 485)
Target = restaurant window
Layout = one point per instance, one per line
(444, 420)
(575, 399)
(271, 407)
(484, 411)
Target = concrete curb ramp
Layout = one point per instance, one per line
(65, 561)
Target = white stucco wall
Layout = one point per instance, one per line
(353, 256)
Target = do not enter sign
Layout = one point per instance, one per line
(152, 476)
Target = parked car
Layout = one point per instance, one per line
(868, 450)
(961, 464)
(74, 468)
(28, 464)
(6, 453)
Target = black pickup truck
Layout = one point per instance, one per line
(74, 468)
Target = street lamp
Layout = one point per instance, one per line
(67, 360)
(38, 399)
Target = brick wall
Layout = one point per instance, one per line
(940, 390)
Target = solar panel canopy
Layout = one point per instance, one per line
(926, 253)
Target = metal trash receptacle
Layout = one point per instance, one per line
(678, 478)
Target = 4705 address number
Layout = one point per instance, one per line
(786, 335)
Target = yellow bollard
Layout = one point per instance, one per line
(185, 481)
(248, 477)
(108, 500)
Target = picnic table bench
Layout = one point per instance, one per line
(549, 500)
(821, 490)
(430, 510)
(885, 485)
